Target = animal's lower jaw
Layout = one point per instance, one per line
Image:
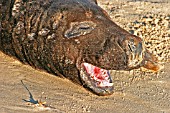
(96, 79)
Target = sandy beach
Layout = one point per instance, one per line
(135, 91)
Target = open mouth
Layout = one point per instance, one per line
(96, 79)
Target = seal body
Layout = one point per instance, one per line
(75, 39)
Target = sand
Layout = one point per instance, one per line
(135, 92)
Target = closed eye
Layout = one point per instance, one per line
(84, 28)
(79, 28)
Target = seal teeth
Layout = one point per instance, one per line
(104, 84)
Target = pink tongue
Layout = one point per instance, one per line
(100, 76)
(99, 73)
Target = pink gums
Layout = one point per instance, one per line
(96, 72)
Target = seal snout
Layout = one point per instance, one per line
(135, 52)
(138, 56)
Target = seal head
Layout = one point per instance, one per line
(75, 39)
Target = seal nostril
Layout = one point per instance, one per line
(130, 47)
(139, 48)
(136, 52)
